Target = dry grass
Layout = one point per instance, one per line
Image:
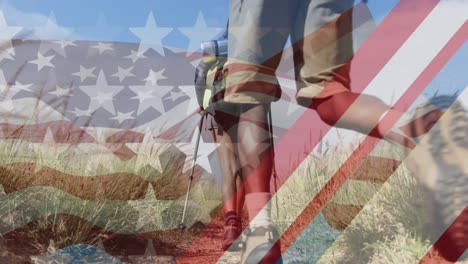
(390, 229)
(23, 171)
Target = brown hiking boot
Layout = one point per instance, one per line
(232, 230)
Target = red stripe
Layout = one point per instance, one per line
(446, 245)
(62, 132)
(20, 176)
(329, 190)
(371, 58)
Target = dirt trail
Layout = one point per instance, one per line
(208, 248)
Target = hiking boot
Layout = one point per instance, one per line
(439, 163)
(232, 230)
(261, 243)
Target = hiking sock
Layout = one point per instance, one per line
(259, 209)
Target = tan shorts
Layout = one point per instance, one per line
(322, 44)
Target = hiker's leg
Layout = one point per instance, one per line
(262, 242)
(225, 133)
(228, 167)
(361, 113)
(225, 122)
(254, 148)
(254, 154)
(258, 32)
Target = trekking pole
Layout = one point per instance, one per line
(182, 226)
(275, 175)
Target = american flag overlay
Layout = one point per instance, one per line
(103, 155)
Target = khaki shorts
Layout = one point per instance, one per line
(321, 37)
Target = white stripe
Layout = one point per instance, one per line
(28, 111)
